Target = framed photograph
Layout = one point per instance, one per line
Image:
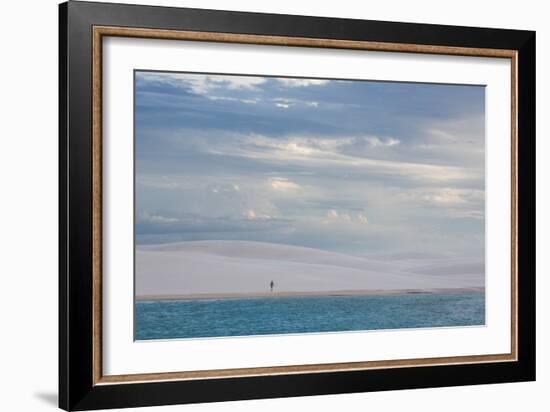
(256, 205)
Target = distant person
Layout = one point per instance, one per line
(271, 286)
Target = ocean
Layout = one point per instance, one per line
(180, 319)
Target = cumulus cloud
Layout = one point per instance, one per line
(224, 188)
(283, 184)
(362, 218)
(251, 214)
(333, 214)
(345, 216)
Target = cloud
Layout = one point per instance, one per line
(249, 214)
(467, 214)
(159, 182)
(355, 167)
(236, 82)
(202, 84)
(152, 223)
(362, 218)
(453, 196)
(225, 188)
(283, 184)
(443, 135)
(375, 141)
(285, 103)
(459, 141)
(302, 82)
(234, 99)
(312, 152)
(299, 148)
(333, 214)
(155, 218)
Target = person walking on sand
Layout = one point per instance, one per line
(271, 285)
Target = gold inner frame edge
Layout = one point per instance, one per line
(102, 31)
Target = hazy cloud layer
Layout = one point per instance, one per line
(351, 166)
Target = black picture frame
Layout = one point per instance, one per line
(77, 390)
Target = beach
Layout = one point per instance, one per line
(241, 269)
(204, 289)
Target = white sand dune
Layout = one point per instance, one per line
(241, 267)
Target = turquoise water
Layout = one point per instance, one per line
(281, 315)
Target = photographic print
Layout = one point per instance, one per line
(261, 205)
(275, 205)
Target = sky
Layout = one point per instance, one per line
(352, 166)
